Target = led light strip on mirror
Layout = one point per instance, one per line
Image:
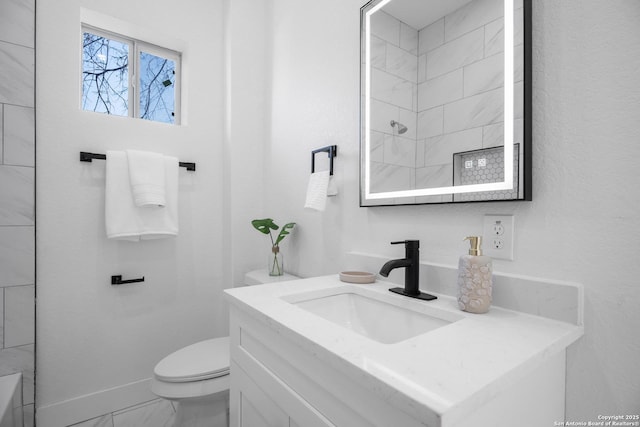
(507, 184)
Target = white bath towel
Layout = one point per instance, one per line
(317, 191)
(126, 221)
(146, 172)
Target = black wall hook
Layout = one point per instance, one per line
(117, 280)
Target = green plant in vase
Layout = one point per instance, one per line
(266, 226)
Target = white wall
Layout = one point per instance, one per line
(584, 222)
(93, 336)
(247, 80)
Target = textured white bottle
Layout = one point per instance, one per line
(475, 281)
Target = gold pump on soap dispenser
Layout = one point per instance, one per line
(475, 279)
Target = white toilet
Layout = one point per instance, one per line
(196, 377)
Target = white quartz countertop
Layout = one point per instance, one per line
(446, 372)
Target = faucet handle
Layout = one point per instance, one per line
(408, 243)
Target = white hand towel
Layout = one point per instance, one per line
(121, 218)
(317, 191)
(126, 221)
(332, 187)
(161, 223)
(146, 172)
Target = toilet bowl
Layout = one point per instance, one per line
(196, 377)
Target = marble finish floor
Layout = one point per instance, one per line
(155, 413)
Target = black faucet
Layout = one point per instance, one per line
(411, 263)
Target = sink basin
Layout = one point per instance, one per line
(378, 320)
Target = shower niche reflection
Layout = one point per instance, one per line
(433, 114)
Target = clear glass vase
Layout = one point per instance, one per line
(274, 263)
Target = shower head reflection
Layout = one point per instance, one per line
(401, 128)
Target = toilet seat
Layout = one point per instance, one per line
(200, 361)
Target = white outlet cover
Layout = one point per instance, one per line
(498, 245)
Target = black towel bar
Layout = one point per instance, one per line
(87, 157)
(331, 150)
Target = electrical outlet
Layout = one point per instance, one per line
(498, 236)
(498, 228)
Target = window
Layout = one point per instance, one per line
(127, 77)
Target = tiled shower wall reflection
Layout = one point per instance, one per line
(394, 83)
(17, 221)
(461, 84)
(445, 83)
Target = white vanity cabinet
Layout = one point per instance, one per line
(292, 368)
(274, 382)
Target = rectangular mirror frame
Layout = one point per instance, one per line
(524, 176)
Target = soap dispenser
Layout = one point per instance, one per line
(474, 279)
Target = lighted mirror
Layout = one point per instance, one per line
(446, 101)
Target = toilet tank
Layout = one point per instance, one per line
(258, 277)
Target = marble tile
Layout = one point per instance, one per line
(28, 415)
(19, 315)
(420, 151)
(472, 16)
(402, 63)
(431, 36)
(19, 135)
(434, 176)
(16, 74)
(1, 133)
(484, 75)
(422, 68)
(409, 119)
(20, 359)
(494, 37)
(493, 135)
(386, 27)
(18, 416)
(392, 89)
(103, 421)
(378, 53)
(1, 318)
(494, 33)
(157, 413)
(430, 122)
(456, 54)
(408, 38)
(399, 151)
(16, 195)
(440, 90)
(381, 115)
(17, 256)
(439, 150)
(478, 110)
(17, 21)
(376, 147)
(385, 177)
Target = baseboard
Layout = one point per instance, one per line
(82, 408)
